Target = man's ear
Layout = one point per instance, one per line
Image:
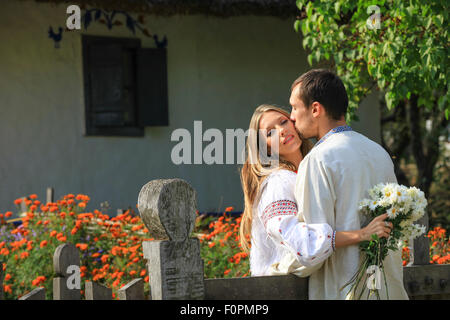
(317, 109)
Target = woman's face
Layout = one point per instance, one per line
(288, 140)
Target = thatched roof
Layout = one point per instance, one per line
(222, 8)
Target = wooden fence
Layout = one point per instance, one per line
(175, 268)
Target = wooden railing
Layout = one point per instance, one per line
(175, 267)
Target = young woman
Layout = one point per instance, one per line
(270, 222)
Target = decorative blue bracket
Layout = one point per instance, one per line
(107, 18)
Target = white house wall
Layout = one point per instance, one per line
(219, 71)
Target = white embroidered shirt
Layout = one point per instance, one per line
(277, 233)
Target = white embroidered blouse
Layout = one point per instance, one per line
(277, 231)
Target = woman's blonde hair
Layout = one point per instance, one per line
(254, 172)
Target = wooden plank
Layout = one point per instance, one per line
(286, 287)
(133, 290)
(36, 294)
(95, 291)
(427, 280)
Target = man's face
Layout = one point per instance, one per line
(301, 115)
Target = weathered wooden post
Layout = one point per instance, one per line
(133, 290)
(35, 294)
(23, 205)
(50, 194)
(66, 264)
(95, 291)
(1, 282)
(167, 208)
(421, 245)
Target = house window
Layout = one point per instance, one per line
(125, 86)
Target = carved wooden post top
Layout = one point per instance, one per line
(65, 255)
(167, 208)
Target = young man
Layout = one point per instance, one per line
(334, 177)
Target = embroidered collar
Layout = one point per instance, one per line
(333, 131)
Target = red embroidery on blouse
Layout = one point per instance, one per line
(279, 208)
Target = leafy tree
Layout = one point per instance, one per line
(398, 47)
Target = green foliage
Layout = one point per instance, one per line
(407, 55)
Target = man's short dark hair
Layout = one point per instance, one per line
(326, 88)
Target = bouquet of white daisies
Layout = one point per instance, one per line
(404, 206)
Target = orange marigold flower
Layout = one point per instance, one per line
(46, 222)
(43, 243)
(7, 288)
(33, 196)
(24, 255)
(104, 258)
(81, 246)
(143, 272)
(7, 277)
(95, 255)
(134, 220)
(8, 214)
(228, 209)
(135, 260)
(227, 271)
(74, 230)
(33, 207)
(38, 280)
(146, 278)
(17, 202)
(132, 272)
(82, 205)
(134, 249)
(53, 233)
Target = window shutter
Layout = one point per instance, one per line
(109, 71)
(152, 96)
(105, 85)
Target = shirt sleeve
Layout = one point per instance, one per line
(311, 244)
(315, 194)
